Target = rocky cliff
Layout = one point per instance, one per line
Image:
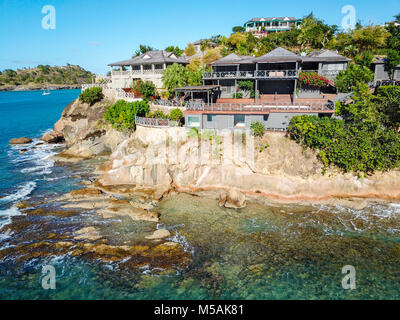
(85, 133)
(163, 160)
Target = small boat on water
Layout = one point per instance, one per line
(46, 92)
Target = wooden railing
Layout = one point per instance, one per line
(259, 74)
(246, 107)
(154, 122)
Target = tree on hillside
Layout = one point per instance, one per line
(175, 50)
(370, 38)
(365, 59)
(315, 33)
(393, 42)
(142, 49)
(392, 60)
(397, 18)
(190, 50)
(389, 106)
(236, 40)
(175, 76)
(238, 29)
(347, 79)
(211, 55)
(194, 64)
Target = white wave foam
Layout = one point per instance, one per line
(5, 218)
(22, 192)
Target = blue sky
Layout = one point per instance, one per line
(93, 33)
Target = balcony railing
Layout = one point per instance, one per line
(129, 73)
(258, 74)
(155, 122)
(246, 107)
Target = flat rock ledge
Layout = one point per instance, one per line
(159, 234)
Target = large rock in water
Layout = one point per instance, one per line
(22, 140)
(53, 137)
(232, 199)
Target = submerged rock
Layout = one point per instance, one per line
(159, 234)
(22, 140)
(232, 199)
(88, 233)
(22, 151)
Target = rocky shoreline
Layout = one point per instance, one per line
(282, 173)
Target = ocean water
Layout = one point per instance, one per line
(259, 252)
(28, 114)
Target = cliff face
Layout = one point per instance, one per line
(85, 134)
(282, 171)
(161, 160)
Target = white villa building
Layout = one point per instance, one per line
(148, 66)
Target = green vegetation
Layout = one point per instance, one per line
(247, 87)
(237, 95)
(389, 105)
(122, 114)
(43, 74)
(91, 95)
(190, 50)
(175, 114)
(366, 140)
(175, 50)
(142, 49)
(146, 88)
(314, 34)
(257, 128)
(176, 75)
(157, 114)
(347, 79)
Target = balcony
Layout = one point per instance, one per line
(259, 74)
(131, 73)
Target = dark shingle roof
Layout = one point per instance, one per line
(151, 57)
(279, 55)
(233, 58)
(324, 55)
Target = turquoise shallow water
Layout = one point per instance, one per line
(260, 252)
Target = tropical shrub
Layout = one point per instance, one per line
(91, 95)
(157, 114)
(347, 79)
(237, 95)
(257, 128)
(349, 147)
(176, 114)
(122, 114)
(313, 79)
(146, 88)
(389, 105)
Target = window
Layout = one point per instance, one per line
(210, 117)
(238, 120)
(193, 121)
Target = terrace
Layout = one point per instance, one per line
(306, 106)
(258, 74)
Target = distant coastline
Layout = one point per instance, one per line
(39, 87)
